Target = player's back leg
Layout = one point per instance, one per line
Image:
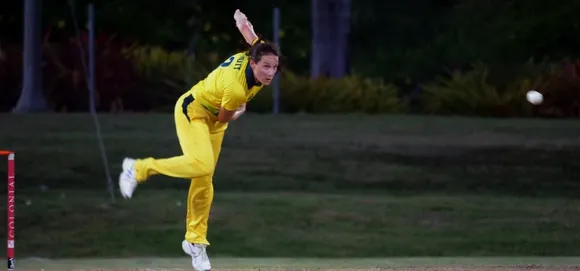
(193, 132)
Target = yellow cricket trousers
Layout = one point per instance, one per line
(200, 136)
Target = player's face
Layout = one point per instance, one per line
(265, 69)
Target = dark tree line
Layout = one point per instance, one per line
(329, 37)
(395, 40)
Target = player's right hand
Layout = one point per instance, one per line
(239, 17)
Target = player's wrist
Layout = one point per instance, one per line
(255, 39)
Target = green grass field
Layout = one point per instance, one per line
(306, 186)
(316, 153)
(526, 263)
(70, 223)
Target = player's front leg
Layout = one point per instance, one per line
(199, 200)
(127, 178)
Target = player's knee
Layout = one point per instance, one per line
(206, 167)
(202, 166)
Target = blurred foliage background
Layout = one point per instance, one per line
(417, 56)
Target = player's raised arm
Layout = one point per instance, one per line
(245, 27)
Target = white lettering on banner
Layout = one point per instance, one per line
(11, 197)
(11, 210)
(11, 207)
(11, 229)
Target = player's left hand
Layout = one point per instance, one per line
(239, 112)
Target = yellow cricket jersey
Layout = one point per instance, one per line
(230, 85)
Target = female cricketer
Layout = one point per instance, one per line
(201, 117)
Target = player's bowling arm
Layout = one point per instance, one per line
(248, 32)
(245, 27)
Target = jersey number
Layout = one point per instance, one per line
(227, 62)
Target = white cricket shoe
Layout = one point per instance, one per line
(127, 181)
(199, 259)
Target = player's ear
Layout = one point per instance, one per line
(253, 63)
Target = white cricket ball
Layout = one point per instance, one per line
(534, 97)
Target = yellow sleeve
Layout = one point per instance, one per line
(234, 96)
